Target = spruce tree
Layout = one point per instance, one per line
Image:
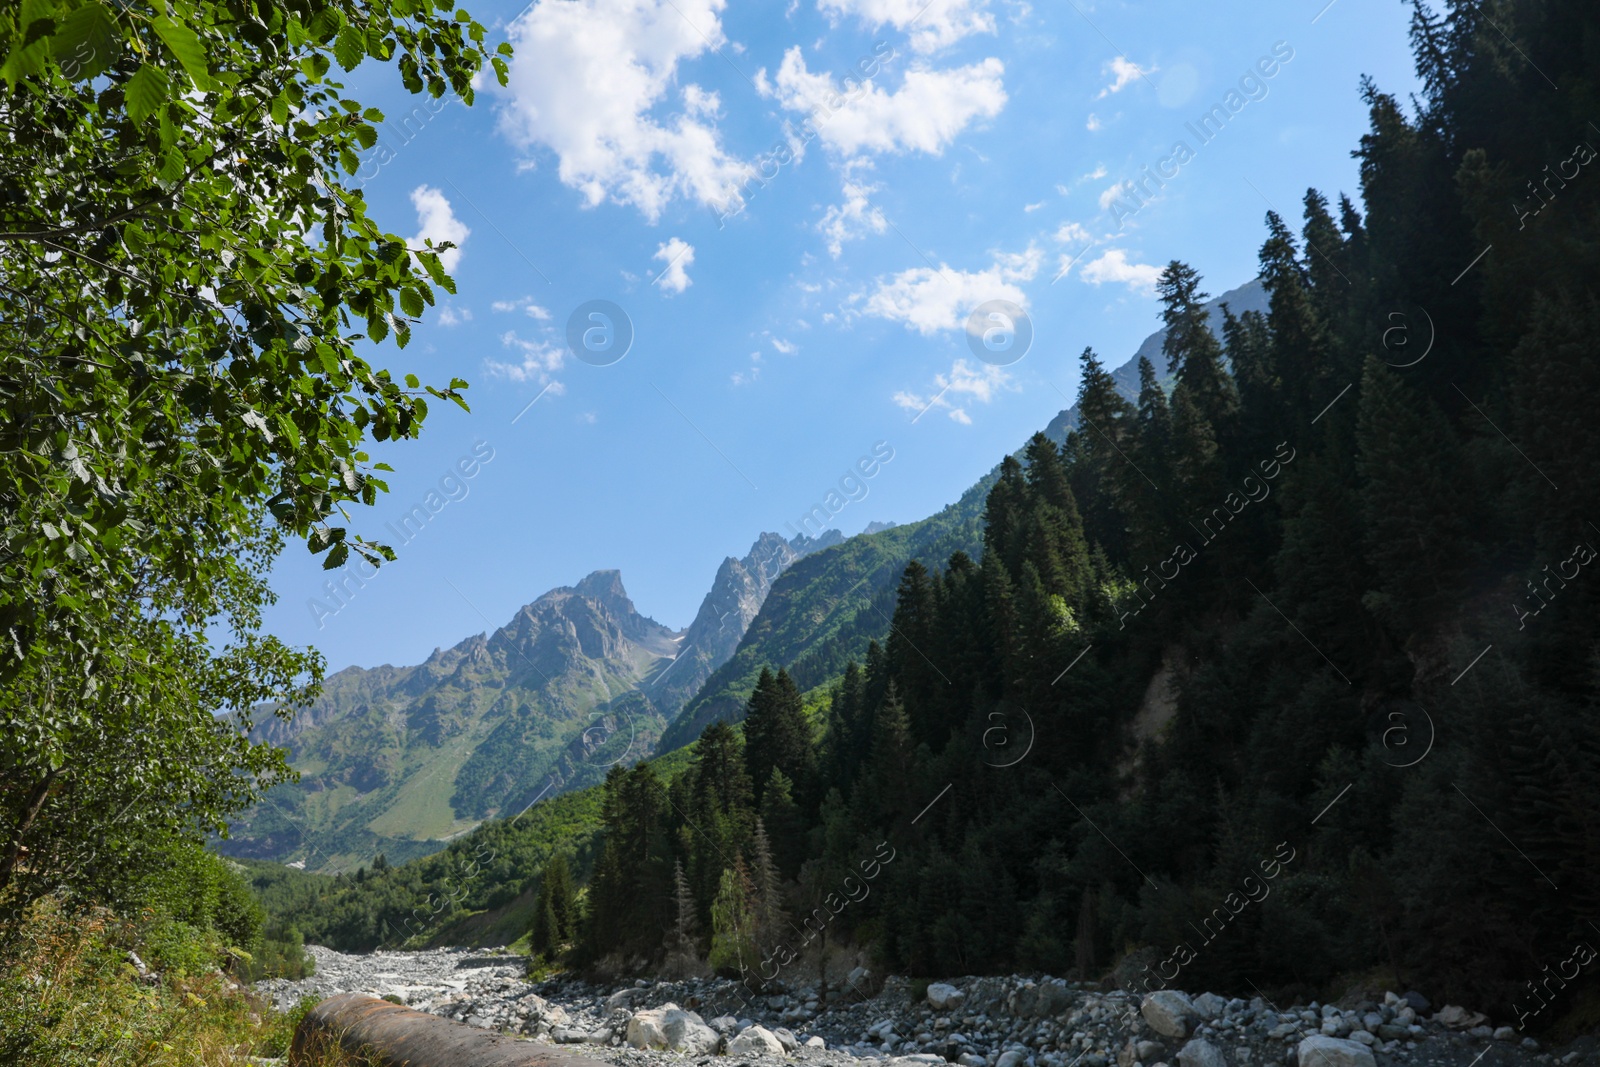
(777, 734)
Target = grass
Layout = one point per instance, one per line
(70, 997)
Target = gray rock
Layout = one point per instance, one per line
(1201, 1053)
(1363, 1036)
(1168, 1012)
(1209, 1005)
(725, 1024)
(1319, 1050)
(945, 997)
(1417, 1001)
(815, 1042)
(1012, 1058)
(787, 1039)
(756, 1041)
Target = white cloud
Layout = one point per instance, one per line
(438, 223)
(752, 374)
(1071, 231)
(524, 305)
(449, 316)
(933, 24)
(587, 82)
(852, 219)
(1125, 71)
(1094, 124)
(955, 391)
(788, 348)
(1031, 208)
(1096, 174)
(540, 360)
(928, 300)
(929, 110)
(678, 255)
(1113, 266)
(1112, 193)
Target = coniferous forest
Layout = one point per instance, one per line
(1333, 572)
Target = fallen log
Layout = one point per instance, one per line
(382, 1033)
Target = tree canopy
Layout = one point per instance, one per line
(190, 288)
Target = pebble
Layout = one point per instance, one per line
(1000, 1021)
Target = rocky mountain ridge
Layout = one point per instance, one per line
(399, 760)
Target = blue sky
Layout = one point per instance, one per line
(782, 332)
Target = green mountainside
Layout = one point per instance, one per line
(824, 611)
(400, 759)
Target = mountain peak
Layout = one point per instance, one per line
(606, 587)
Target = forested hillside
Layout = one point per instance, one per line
(1287, 674)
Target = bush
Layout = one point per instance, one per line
(70, 997)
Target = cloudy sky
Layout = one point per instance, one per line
(767, 229)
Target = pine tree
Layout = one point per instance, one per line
(777, 734)
(1412, 503)
(1194, 355)
(787, 823)
(680, 945)
(767, 889)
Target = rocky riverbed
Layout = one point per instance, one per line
(972, 1022)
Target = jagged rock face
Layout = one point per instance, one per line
(736, 596)
(471, 730)
(395, 759)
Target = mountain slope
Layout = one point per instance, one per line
(401, 759)
(824, 611)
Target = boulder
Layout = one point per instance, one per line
(816, 1042)
(787, 1039)
(1168, 1012)
(1011, 1058)
(725, 1024)
(670, 1027)
(687, 1032)
(756, 1041)
(1457, 1018)
(945, 997)
(622, 998)
(1210, 1005)
(1201, 1053)
(1319, 1050)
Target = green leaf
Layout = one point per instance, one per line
(146, 91)
(411, 304)
(336, 558)
(349, 48)
(412, 381)
(185, 44)
(86, 42)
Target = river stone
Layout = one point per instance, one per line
(1168, 1012)
(756, 1041)
(1201, 1053)
(1319, 1050)
(944, 997)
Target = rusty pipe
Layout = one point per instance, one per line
(381, 1032)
